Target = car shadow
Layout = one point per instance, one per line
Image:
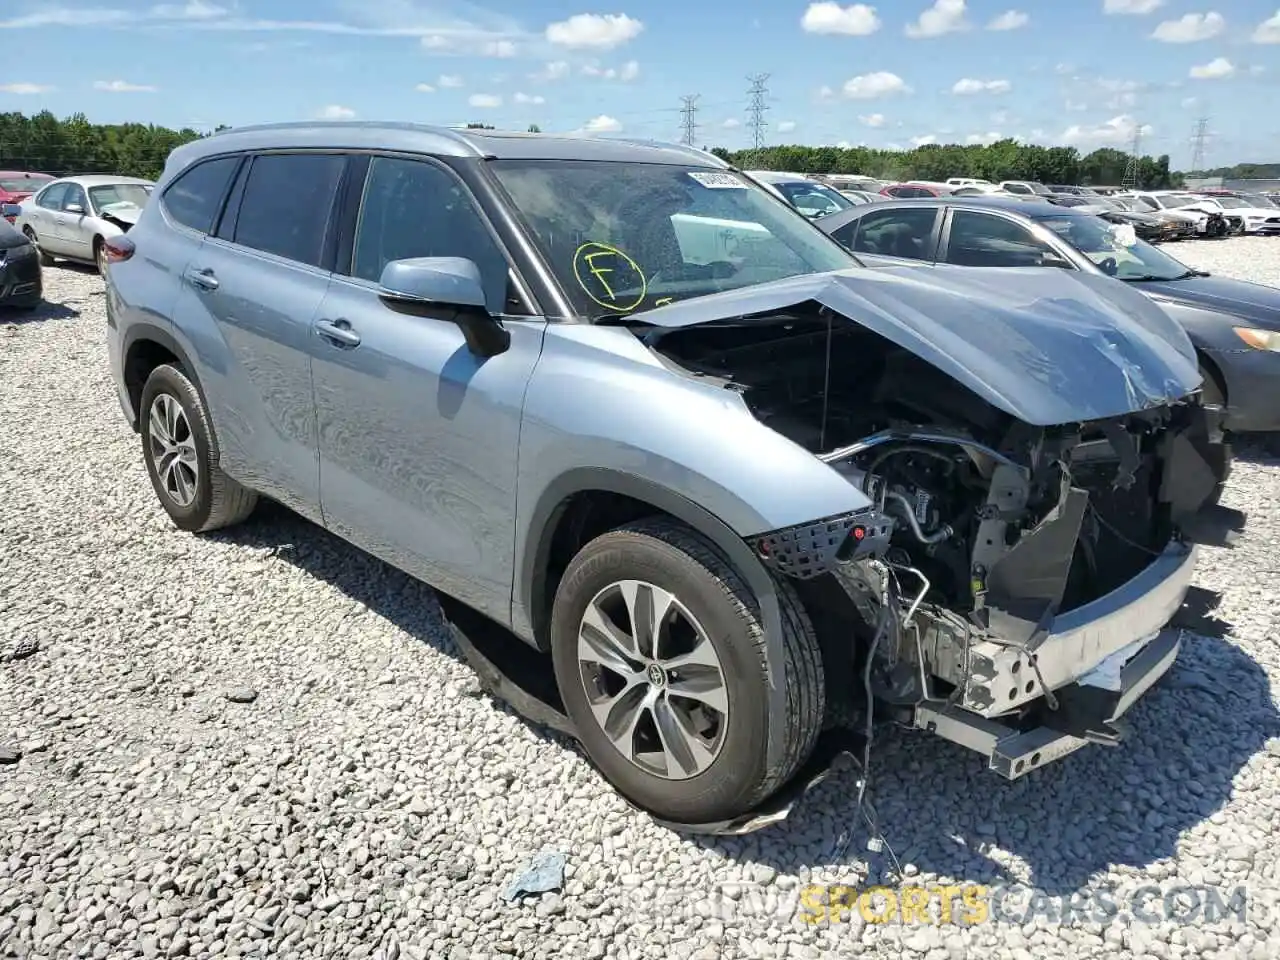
(941, 810)
(10, 316)
(1260, 448)
(939, 807)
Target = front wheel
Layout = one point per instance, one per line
(100, 256)
(181, 456)
(662, 663)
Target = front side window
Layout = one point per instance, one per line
(286, 204)
(195, 197)
(413, 208)
(74, 197)
(897, 233)
(813, 199)
(51, 199)
(983, 240)
(623, 237)
(1107, 244)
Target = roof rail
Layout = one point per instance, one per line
(452, 133)
(670, 145)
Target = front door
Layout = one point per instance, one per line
(74, 235)
(418, 436)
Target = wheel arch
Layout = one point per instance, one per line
(146, 346)
(558, 519)
(1212, 368)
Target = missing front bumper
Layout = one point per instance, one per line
(1090, 710)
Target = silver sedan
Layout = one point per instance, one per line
(71, 218)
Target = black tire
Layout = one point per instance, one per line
(219, 501)
(669, 555)
(45, 259)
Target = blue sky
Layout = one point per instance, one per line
(889, 74)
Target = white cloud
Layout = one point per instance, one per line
(122, 86)
(448, 81)
(485, 101)
(1217, 69)
(1268, 31)
(945, 16)
(194, 10)
(602, 124)
(594, 31)
(968, 86)
(336, 111)
(1118, 131)
(923, 141)
(626, 73)
(529, 98)
(868, 86)
(855, 20)
(871, 119)
(731, 123)
(1075, 106)
(1189, 101)
(1000, 116)
(1191, 28)
(825, 93)
(1136, 7)
(556, 70)
(786, 126)
(503, 49)
(983, 138)
(425, 88)
(436, 42)
(1009, 20)
(24, 89)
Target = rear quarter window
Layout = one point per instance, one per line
(195, 197)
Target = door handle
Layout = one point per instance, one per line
(204, 279)
(338, 332)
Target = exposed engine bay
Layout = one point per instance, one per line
(983, 530)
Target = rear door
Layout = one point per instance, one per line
(42, 213)
(419, 436)
(253, 287)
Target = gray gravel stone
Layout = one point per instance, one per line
(361, 818)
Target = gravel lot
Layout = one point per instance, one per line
(365, 801)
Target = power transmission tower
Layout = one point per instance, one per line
(757, 107)
(689, 119)
(1197, 145)
(1130, 179)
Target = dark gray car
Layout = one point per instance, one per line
(1234, 325)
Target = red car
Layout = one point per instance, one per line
(17, 185)
(912, 191)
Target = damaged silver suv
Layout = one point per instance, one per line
(630, 407)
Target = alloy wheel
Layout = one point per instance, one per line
(653, 679)
(173, 450)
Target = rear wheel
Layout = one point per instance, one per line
(661, 660)
(182, 458)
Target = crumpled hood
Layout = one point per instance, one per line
(124, 212)
(1045, 345)
(1133, 216)
(1255, 302)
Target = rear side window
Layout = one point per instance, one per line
(194, 199)
(286, 204)
(897, 233)
(51, 199)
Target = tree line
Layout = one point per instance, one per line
(44, 143)
(1002, 160)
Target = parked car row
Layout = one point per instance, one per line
(45, 218)
(734, 486)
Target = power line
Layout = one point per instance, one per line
(756, 108)
(1197, 145)
(1130, 179)
(689, 119)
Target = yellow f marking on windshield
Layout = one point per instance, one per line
(591, 276)
(599, 272)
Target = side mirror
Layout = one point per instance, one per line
(431, 286)
(1053, 260)
(74, 208)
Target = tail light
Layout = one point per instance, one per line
(118, 249)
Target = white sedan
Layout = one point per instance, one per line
(71, 218)
(1253, 219)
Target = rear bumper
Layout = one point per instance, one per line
(1097, 661)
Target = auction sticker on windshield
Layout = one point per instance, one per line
(718, 181)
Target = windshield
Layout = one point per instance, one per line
(1101, 241)
(1258, 200)
(22, 184)
(130, 194)
(1039, 188)
(813, 199)
(1176, 201)
(626, 237)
